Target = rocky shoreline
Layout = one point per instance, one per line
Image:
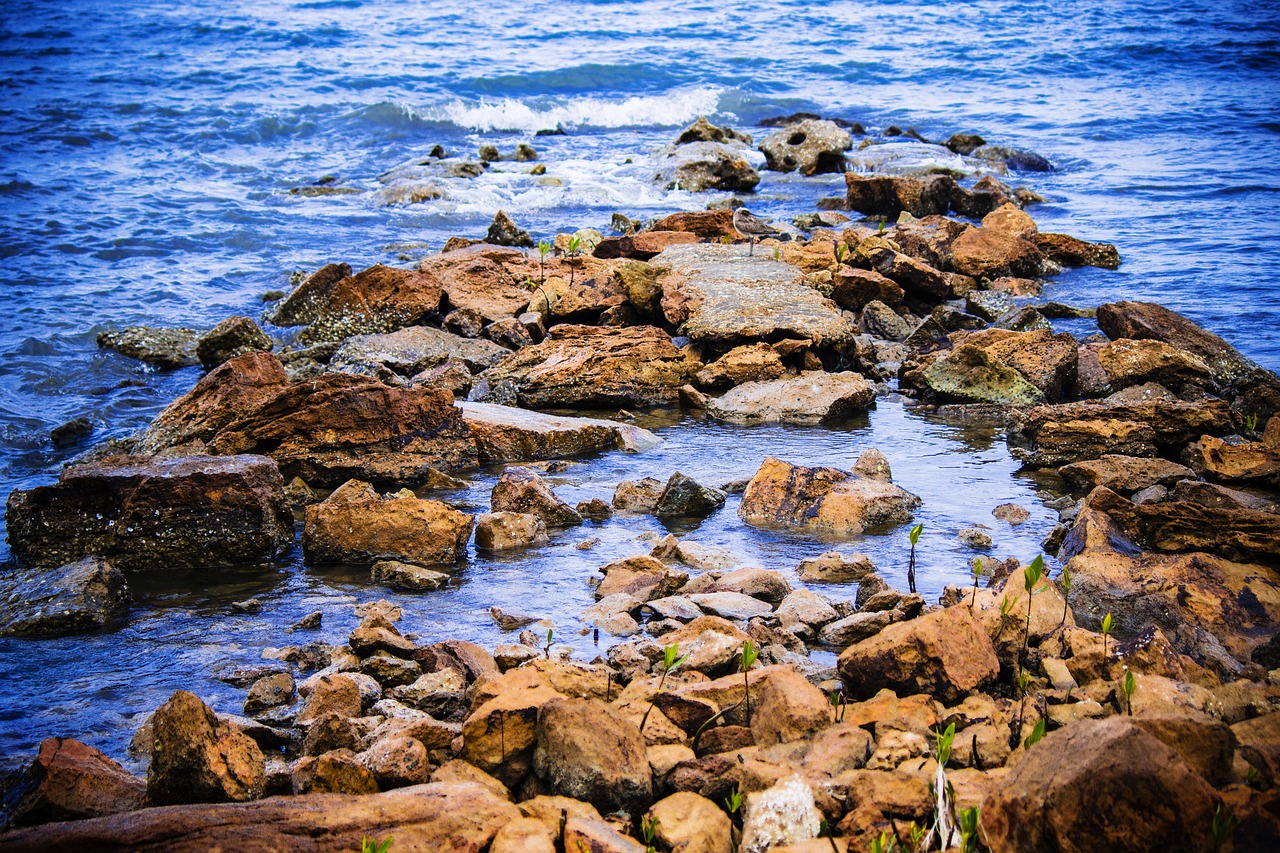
(1129, 699)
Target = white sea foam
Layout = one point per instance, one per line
(666, 110)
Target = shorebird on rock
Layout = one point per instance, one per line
(752, 227)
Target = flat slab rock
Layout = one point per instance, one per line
(813, 397)
(75, 598)
(414, 349)
(512, 434)
(721, 295)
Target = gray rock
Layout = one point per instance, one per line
(167, 349)
(683, 496)
(71, 599)
(700, 166)
(809, 147)
(232, 337)
(814, 397)
(412, 350)
(504, 232)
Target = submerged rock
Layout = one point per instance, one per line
(167, 349)
(822, 500)
(232, 337)
(504, 232)
(814, 397)
(505, 531)
(683, 497)
(73, 599)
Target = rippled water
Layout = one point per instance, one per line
(147, 152)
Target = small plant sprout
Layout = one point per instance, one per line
(914, 536)
(546, 649)
(886, 843)
(824, 831)
(777, 254)
(838, 703)
(977, 570)
(944, 804)
(1251, 422)
(1030, 577)
(749, 655)
(544, 249)
(1107, 624)
(648, 831)
(670, 660)
(1223, 827)
(575, 246)
(373, 845)
(1037, 732)
(969, 819)
(1064, 580)
(1127, 686)
(733, 802)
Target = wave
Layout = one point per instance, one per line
(666, 110)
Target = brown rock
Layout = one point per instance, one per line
(379, 299)
(141, 513)
(1072, 252)
(753, 363)
(834, 567)
(854, 289)
(644, 578)
(813, 397)
(987, 253)
(785, 707)
(308, 299)
(397, 761)
(1011, 219)
(166, 349)
(692, 824)
(473, 280)
(588, 752)
(683, 497)
(505, 531)
(337, 695)
(706, 224)
(72, 781)
(197, 758)
(521, 490)
(525, 835)
(269, 692)
(888, 196)
(945, 654)
(356, 525)
(1205, 743)
(638, 496)
(500, 734)
(411, 351)
(407, 576)
(597, 836)
(1100, 784)
(1047, 361)
(1252, 463)
(1128, 362)
(76, 598)
(509, 434)
(821, 499)
(1126, 474)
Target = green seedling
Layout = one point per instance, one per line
(544, 249)
(837, 702)
(749, 655)
(977, 570)
(916, 833)
(969, 819)
(546, 649)
(1037, 732)
(884, 844)
(575, 247)
(733, 802)
(824, 831)
(1030, 577)
(1223, 827)
(1252, 776)
(914, 536)
(942, 748)
(648, 831)
(1065, 580)
(1107, 624)
(840, 249)
(372, 845)
(1127, 687)
(670, 660)
(1251, 422)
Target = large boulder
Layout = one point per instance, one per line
(813, 397)
(822, 500)
(688, 822)
(72, 599)
(969, 374)
(69, 780)
(511, 434)
(462, 817)
(992, 253)
(698, 166)
(887, 196)
(722, 298)
(309, 298)
(357, 525)
(477, 279)
(808, 147)
(327, 429)
(590, 366)
(588, 751)
(1125, 474)
(946, 654)
(197, 758)
(1048, 361)
(140, 513)
(407, 352)
(1128, 362)
(1249, 463)
(379, 299)
(1100, 785)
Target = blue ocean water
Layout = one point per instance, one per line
(148, 150)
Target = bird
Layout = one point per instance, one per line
(752, 227)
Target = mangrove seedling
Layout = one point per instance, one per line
(1223, 827)
(670, 660)
(648, 831)
(944, 805)
(978, 570)
(969, 819)
(914, 536)
(733, 802)
(884, 844)
(546, 650)
(1251, 422)
(1065, 580)
(1030, 577)
(1127, 687)
(749, 655)
(1037, 732)
(838, 703)
(544, 249)
(1107, 624)
(824, 831)
(575, 244)
(373, 845)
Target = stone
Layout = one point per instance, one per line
(509, 434)
(585, 750)
(642, 577)
(521, 490)
(946, 654)
(855, 289)
(195, 757)
(411, 351)
(587, 366)
(407, 576)
(1100, 784)
(813, 397)
(597, 836)
(376, 634)
(378, 299)
(749, 363)
(76, 598)
(1128, 362)
(232, 337)
(476, 279)
(595, 509)
(723, 299)
(700, 166)
(506, 531)
(809, 147)
(144, 513)
(691, 824)
(879, 320)
(269, 692)
(969, 374)
(464, 322)
(834, 567)
(1124, 474)
(396, 762)
(991, 253)
(783, 814)
(166, 349)
(975, 538)
(684, 497)
(525, 835)
(714, 645)
(1251, 463)
(1067, 251)
(68, 781)
(1011, 513)
(785, 707)
(823, 500)
(306, 301)
(1049, 362)
(356, 525)
(1011, 219)
(730, 605)
(763, 584)
(504, 232)
(807, 608)
(854, 628)
(887, 196)
(638, 495)
(1206, 744)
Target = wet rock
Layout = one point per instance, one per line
(1251, 463)
(881, 321)
(1012, 513)
(809, 147)
(730, 605)
(945, 654)
(1049, 362)
(376, 634)
(509, 333)
(1124, 474)
(505, 531)
(699, 166)
(379, 299)
(1105, 783)
(834, 567)
(888, 196)
(232, 337)
(1024, 319)
(397, 761)
(167, 349)
(990, 253)
(476, 279)
(969, 374)
(753, 363)
(139, 513)
(986, 194)
(197, 758)
(814, 397)
(785, 707)
(1068, 251)
(464, 322)
(1128, 362)
(504, 232)
(1011, 219)
(520, 490)
(73, 599)
(975, 538)
(587, 366)
(510, 434)
(410, 351)
(821, 500)
(71, 781)
(269, 692)
(854, 289)
(638, 496)
(640, 577)
(704, 131)
(595, 509)
(683, 497)
(356, 525)
(407, 576)
(724, 299)
(67, 434)
(712, 225)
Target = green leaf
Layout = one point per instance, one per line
(1065, 579)
(1107, 624)
(1036, 733)
(914, 535)
(1031, 574)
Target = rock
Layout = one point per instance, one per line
(1068, 251)
(881, 321)
(356, 525)
(888, 196)
(991, 253)
(476, 279)
(197, 758)
(269, 692)
(642, 578)
(785, 707)
(808, 147)
(638, 496)
(1012, 513)
(752, 363)
(690, 823)
(525, 835)
(509, 333)
(699, 166)
(945, 654)
(854, 289)
(70, 781)
(464, 322)
(379, 299)
(783, 814)
(972, 375)
(730, 605)
(142, 513)
(306, 301)
(509, 434)
(1011, 219)
(595, 510)
(1251, 463)
(806, 608)
(230, 338)
(587, 366)
(1128, 362)
(704, 131)
(585, 750)
(505, 531)
(822, 500)
(723, 299)
(1206, 744)
(504, 232)
(167, 349)
(76, 598)
(410, 351)
(854, 628)
(461, 817)
(1104, 784)
(520, 490)
(1049, 362)
(684, 497)
(407, 576)
(1124, 474)
(975, 538)
(397, 761)
(597, 835)
(834, 567)
(814, 397)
